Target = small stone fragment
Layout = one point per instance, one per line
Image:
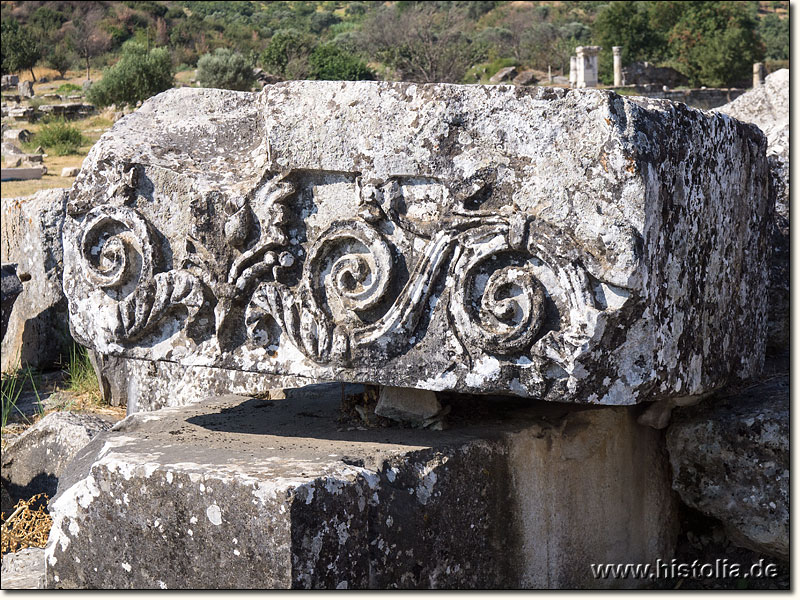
(24, 570)
(33, 462)
(505, 74)
(407, 404)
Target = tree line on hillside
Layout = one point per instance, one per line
(712, 43)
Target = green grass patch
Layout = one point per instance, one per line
(11, 387)
(80, 376)
(66, 88)
(59, 138)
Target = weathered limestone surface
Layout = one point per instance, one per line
(38, 326)
(142, 385)
(768, 107)
(565, 245)
(23, 570)
(730, 460)
(241, 493)
(33, 462)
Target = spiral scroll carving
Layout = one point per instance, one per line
(116, 248)
(512, 310)
(118, 256)
(497, 306)
(349, 269)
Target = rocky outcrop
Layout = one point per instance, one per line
(33, 462)
(548, 243)
(38, 328)
(768, 107)
(504, 74)
(730, 460)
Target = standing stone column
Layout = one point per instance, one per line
(573, 71)
(758, 74)
(587, 66)
(617, 65)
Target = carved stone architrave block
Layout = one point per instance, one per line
(566, 245)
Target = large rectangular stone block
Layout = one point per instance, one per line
(246, 493)
(565, 245)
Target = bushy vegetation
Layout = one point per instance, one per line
(710, 42)
(225, 69)
(59, 138)
(139, 74)
(330, 61)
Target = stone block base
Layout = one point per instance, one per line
(237, 492)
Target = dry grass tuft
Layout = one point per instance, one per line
(28, 525)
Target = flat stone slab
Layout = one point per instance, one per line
(21, 173)
(248, 493)
(563, 245)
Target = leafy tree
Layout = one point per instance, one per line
(60, 59)
(774, 32)
(632, 26)
(225, 69)
(138, 75)
(286, 46)
(329, 61)
(20, 49)
(423, 42)
(715, 43)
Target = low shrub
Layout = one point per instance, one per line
(59, 138)
(66, 88)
